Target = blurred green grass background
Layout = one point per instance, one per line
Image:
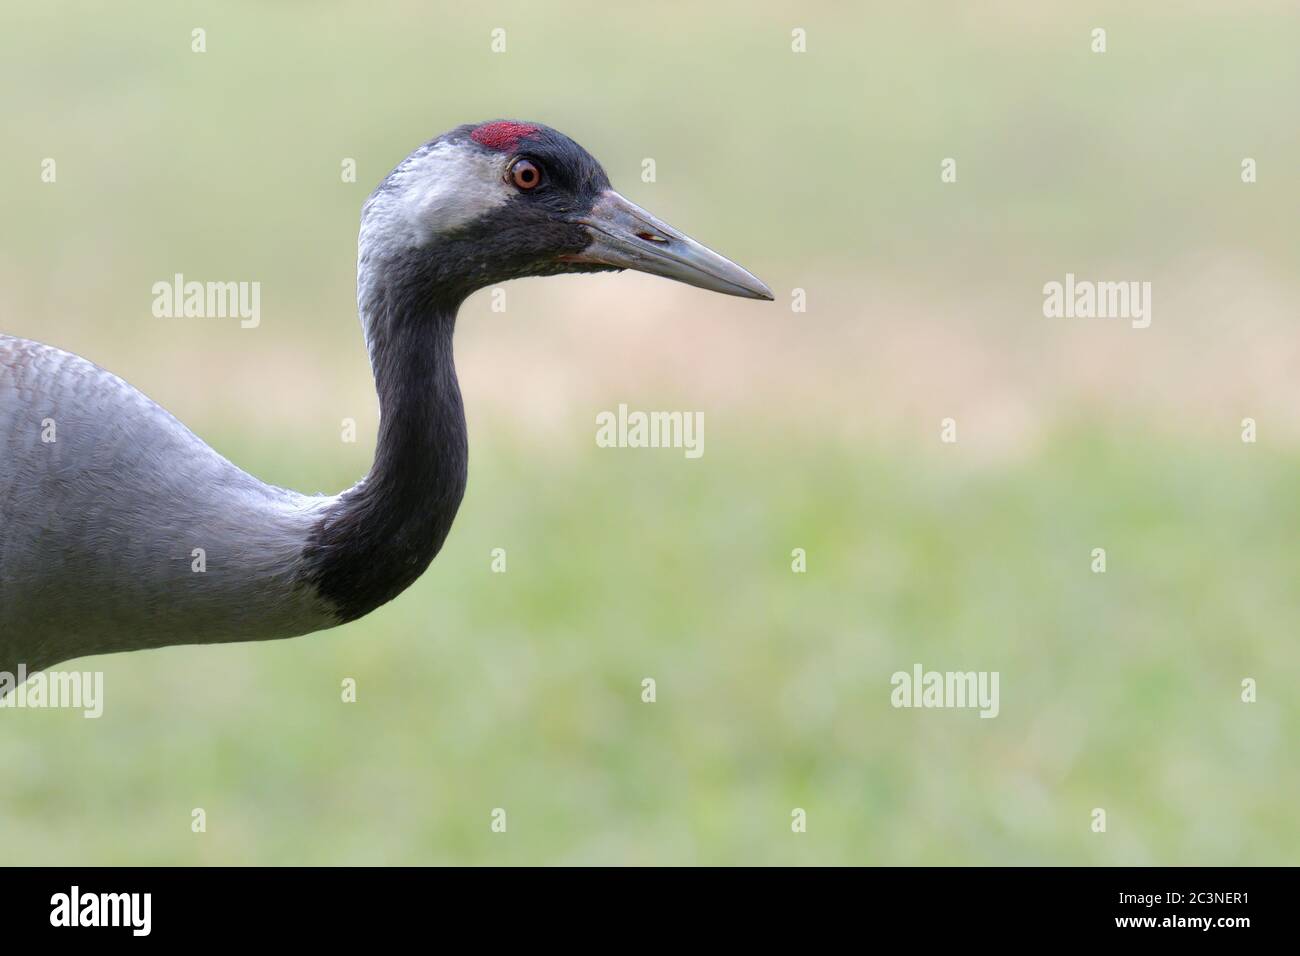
(820, 171)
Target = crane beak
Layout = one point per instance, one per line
(625, 236)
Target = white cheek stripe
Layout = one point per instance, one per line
(446, 187)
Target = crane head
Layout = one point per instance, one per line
(505, 199)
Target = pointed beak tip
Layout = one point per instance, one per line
(753, 288)
(625, 236)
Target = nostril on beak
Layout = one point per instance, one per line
(650, 237)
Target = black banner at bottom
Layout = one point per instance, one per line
(336, 905)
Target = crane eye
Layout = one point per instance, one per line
(525, 174)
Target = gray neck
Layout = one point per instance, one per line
(382, 534)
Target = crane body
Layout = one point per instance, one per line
(121, 530)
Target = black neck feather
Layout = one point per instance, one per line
(383, 533)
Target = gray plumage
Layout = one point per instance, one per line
(121, 530)
(104, 498)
